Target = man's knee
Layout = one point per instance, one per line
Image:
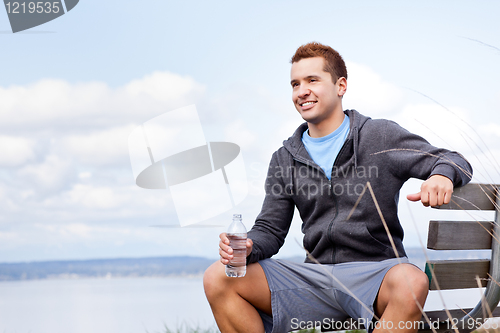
(408, 282)
(213, 280)
(253, 287)
(406, 287)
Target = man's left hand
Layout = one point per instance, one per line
(435, 191)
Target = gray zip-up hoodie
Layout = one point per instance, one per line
(376, 151)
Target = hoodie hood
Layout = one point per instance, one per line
(296, 148)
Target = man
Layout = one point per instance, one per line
(322, 170)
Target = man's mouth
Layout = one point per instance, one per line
(307, 103)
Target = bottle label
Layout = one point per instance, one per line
(238, 243)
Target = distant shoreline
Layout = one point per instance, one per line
(72, 277)
(161, 267)
(179, 266)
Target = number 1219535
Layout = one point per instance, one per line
(32, 7)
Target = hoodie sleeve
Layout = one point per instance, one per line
(272, 224)
(411, 156)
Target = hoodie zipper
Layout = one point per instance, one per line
(329, 233)
(306, 162)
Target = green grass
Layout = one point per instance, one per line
(185, 328)
(188, 328)
(192, 330)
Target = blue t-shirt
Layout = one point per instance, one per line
(324, 150)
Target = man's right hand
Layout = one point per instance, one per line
(226, 252)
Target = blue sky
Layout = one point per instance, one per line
(73, 89)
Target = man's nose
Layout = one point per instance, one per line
(304, 91)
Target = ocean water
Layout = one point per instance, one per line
(122, 305)
(137, 305)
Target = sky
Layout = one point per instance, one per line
(72, 90)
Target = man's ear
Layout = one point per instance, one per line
(341, 86)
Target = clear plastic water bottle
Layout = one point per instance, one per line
(237, 234)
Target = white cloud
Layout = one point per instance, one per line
(7, 236)
(53, 103)
(287, 128)
(98, 148)
(491, 129)
(70, 135)
(51, 175)
(239, 133)
(48, 100)
(454, 129)
(90, 203)
(77, 231)
(165, 87)
(368, 93)
(15, 151)
(439, 126)
(485, 152)
(97, 197)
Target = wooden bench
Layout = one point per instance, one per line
(461, 274)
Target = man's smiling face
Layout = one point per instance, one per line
(314, 95)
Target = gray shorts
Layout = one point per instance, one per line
(303, 294)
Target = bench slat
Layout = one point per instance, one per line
(457, 274)
(459, 235)
(440, 315)
(473, 197)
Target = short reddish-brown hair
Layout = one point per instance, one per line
(334, 64)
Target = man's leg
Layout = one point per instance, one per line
(396, 298)
(234, 300)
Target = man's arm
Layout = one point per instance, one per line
(413, 157)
